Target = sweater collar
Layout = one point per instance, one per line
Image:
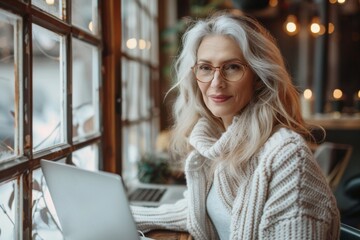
(209, 141)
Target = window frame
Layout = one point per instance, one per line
(134, 125)
(21, 168)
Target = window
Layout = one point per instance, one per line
(10, 73)
(50, 105)
(139, 82)
(61, 63)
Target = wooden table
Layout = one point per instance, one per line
(169, 235)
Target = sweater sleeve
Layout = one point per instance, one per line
(300, 204)
(167, 216)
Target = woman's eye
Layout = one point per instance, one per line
(205, 68)
(232, 66)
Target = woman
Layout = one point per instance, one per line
(249, 171)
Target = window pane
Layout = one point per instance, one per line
(124, 93)
(130, 28)
(153, 47)
(87, 157)
(147, 101)
(45, 221)
(145, 38)
(54, 7)
(9, 202)
(10, 69)
(139, 30)
(85, 15)
(137, 102)
(48, 88)
(85, 92)
(138, 140)
(131, 91)
(153, 7)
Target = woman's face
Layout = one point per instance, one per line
(223, 98)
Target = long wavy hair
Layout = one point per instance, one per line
(275, 103)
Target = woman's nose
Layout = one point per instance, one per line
(218, 80)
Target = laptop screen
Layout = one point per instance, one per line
(90, 205)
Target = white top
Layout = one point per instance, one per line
(219, 215)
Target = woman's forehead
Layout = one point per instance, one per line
(219, 48)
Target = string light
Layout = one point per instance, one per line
(307, 94)
(337, 93)
(331, 28)
(317, 29)
(291, 25)
(273, 3)
(91, 26)
(131, 43)
(337, 1)
(50, 2)
(142, 44)
(315, 26)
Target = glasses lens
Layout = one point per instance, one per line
(230, 71)
(233, 71)
(204, 72)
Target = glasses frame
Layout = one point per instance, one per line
(214, 69)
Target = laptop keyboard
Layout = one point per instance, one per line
(147, 194)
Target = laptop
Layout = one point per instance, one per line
(153, 195)
(90, 205)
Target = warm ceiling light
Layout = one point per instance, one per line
(50, 2)
(291, 26)
(322, 29)
(315, 28)
(331, 28)
(341, 1)
(337, 93)
(142, 44)
(307, 94)
(273, 3)
(318, 29)
(91, 26)
(131, 43)
(332, 1)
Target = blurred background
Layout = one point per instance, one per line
(85, 82)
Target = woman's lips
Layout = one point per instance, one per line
(219, 98)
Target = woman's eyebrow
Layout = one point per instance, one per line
(222, 62)
(203, 60)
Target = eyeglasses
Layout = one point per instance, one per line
(232, 71)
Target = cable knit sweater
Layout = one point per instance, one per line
(285, 195)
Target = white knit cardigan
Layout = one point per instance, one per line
(285, 196)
